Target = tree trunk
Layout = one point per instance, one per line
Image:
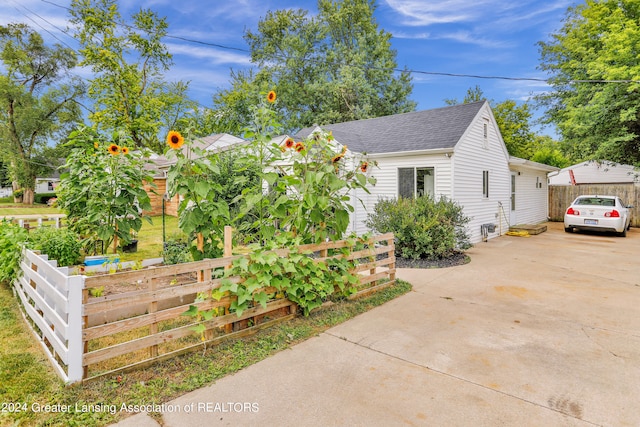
(28, 196)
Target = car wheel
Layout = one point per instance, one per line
(568, 230)
(623, 233)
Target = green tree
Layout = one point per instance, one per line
(128, 60)
(598, 44)
(550, 152)
(333, 67)
(474, 94)
(514, 122)
(37, 99)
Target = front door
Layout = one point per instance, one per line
(513, 220)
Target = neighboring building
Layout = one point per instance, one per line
(456, 152)
(160, 165)
(46, 185)
(595, 172)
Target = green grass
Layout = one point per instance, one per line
(25, 375)
(8, 209)
(150, 238)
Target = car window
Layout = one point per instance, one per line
(595, 201)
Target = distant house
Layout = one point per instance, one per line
(455, 151)
(595, 172)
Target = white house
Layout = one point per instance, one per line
(455, 151)
(595, 172)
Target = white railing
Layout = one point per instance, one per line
(36, 220)
(52, 300)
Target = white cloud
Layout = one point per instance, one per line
(425, 13)
(211, 54)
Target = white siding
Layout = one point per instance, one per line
(532, 197)
(472, 155)
(386, 174)
(595, 173)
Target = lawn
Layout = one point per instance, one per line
(149, 237)
(12, 209)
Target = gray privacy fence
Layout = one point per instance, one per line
(561, 196)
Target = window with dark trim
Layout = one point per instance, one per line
(416, 182)
(485, 184)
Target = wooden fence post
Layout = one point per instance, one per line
(227, 252)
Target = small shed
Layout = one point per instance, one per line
(595, 172)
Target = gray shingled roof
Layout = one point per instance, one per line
(421, 130)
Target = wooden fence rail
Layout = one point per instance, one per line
(123, 330)
(561, 196)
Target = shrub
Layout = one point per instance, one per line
(176, 250)
(12, 237)
(42, 198)
(423, 228)
(60, 244)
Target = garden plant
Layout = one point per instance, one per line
(102, 191)
(303, 194)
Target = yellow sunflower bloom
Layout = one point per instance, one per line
(114, 150)
(299, 147)
(175, 140)
(271, 97)
(125, 150)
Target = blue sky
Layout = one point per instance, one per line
(464, 37)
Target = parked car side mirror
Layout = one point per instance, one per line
(630, 207)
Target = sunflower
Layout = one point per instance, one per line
(364, 166)
(299, 147)
(96, 145)
(125, 150)
(289, 143)
(113, 149)
(175, 140)
(337, 158)
(271, 97)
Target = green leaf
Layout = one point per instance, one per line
(199, 329)
(192, 312)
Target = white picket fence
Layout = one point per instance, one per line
(36, 220)
(52, 301)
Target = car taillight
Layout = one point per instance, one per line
(613, 214)
(572, 211)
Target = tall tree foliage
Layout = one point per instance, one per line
(128, 61)
(598, 41)
(333, 67)
(37, 99)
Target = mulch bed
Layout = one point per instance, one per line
(458, 259)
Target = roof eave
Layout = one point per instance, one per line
(448, 150)
(516, 161)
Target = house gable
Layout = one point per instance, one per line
(480, 174)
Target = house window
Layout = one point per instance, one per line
(485, 133)
(485, 184)
(416, 182)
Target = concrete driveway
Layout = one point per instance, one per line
(538, 331)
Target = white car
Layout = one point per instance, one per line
(599, 213)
